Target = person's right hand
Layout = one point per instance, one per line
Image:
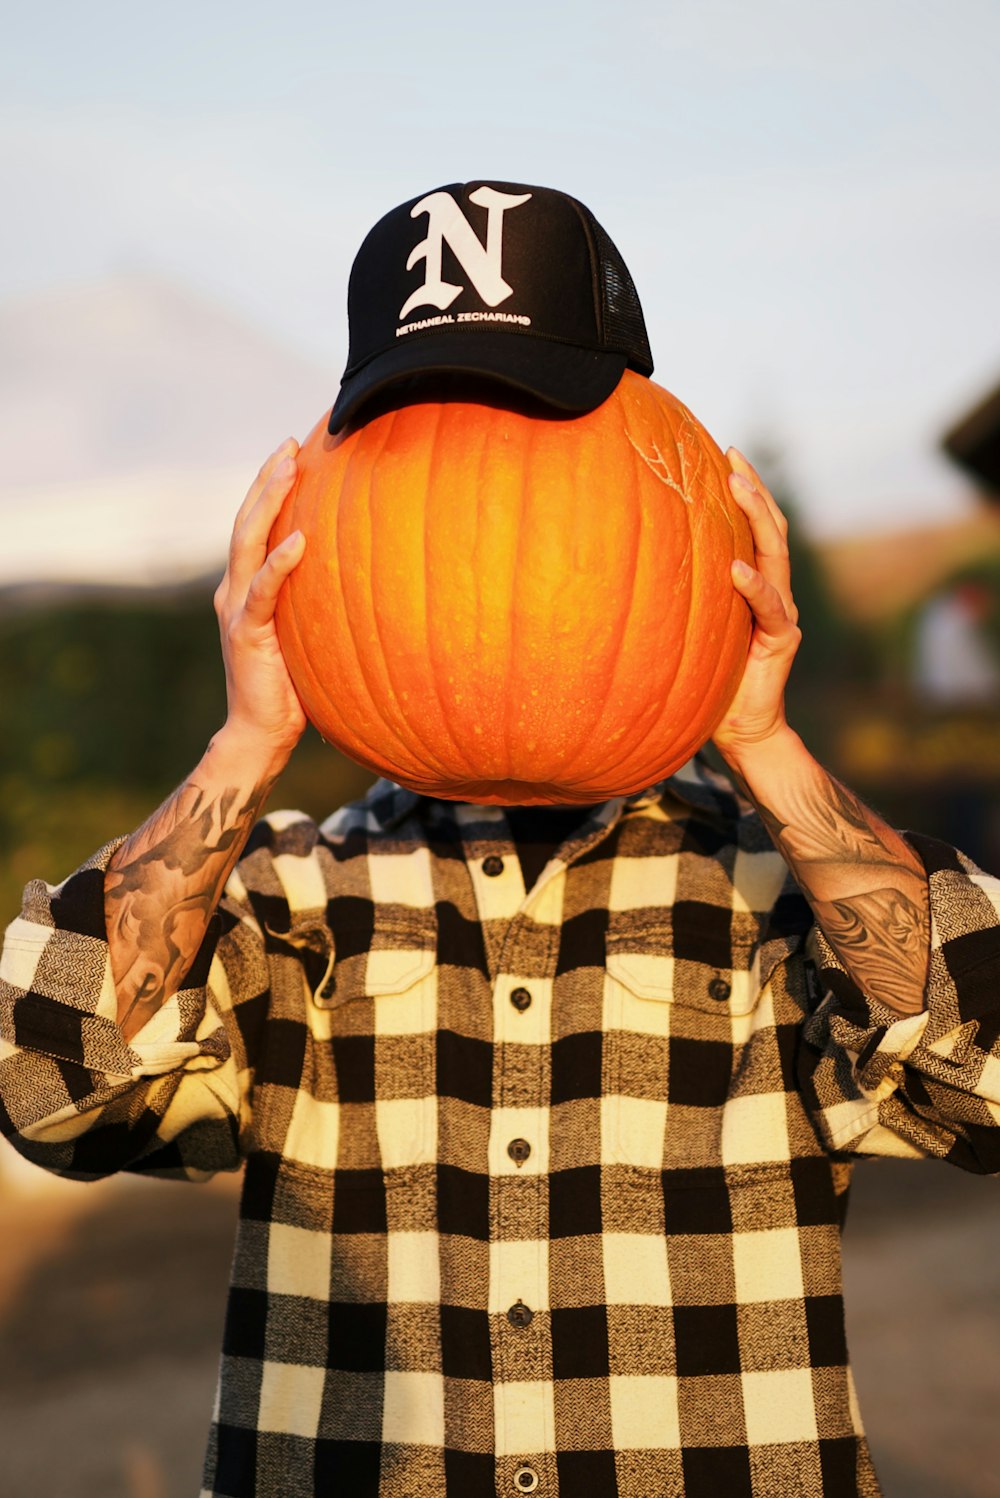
(263, 706)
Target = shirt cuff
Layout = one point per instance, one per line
(57, 991)
(962, 987)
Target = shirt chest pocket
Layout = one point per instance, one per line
(676, 1026)
(391, 961)
(372, 1024)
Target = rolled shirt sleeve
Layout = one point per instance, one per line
(922, 1084)
(78, 1098)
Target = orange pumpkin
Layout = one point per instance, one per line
(497, 607)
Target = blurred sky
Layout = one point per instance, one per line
(807, 195)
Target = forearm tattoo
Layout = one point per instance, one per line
(161, 889)
(865, 884)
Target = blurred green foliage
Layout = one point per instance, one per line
(113, 692)
(108, 704)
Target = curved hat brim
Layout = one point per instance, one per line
(571, 380)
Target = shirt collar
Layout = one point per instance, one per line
(695, 785)
(389, 803)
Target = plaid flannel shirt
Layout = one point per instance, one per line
(543, 1192)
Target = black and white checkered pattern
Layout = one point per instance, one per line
(543, 1193)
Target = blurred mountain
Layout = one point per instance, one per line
(133, 414)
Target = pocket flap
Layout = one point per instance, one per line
(393, 970)
(388, 961)
(650, 972)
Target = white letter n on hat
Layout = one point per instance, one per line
(446, 221)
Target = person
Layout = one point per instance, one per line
(547, 1116)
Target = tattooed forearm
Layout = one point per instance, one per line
(865, 884)
(883, 934)
(162, 886)
(826, 822)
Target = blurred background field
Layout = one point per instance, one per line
(807, 200)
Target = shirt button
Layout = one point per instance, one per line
(493, 865)
(519, 1150)
(719, 989)
(520, 1315)
(520, 998)
(526, 1479)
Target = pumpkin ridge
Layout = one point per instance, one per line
(308, 684)
(418, 749)
(460, 757)
(723, 672)
(599, 456)
(636, 532)
(707, 550)
(627, 746)
(664, 718)
(702, 727)
(614, 652)
(727, 675)
(536, 501)
(375, 484)
(367, 669)
(692, 636)
(514, 653)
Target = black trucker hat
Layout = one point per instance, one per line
(511, 283)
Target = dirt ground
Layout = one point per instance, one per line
(112, 1297)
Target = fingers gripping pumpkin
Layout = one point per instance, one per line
(495, 607)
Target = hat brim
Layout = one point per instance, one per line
(571, 380)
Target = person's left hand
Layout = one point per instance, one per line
(757, 712)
